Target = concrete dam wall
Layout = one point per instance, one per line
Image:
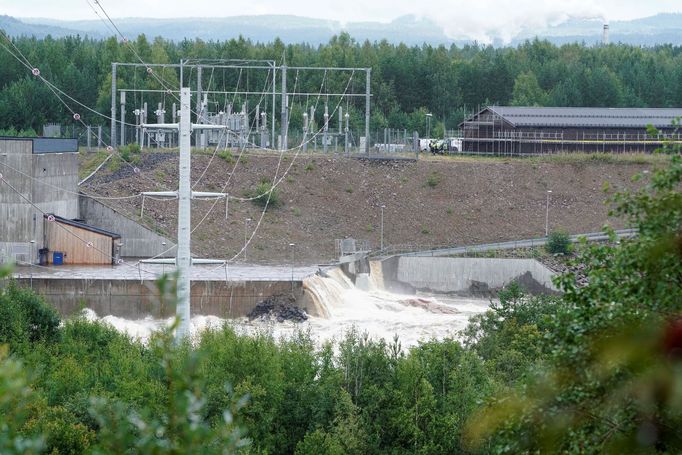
(465, 276)
(135, 299)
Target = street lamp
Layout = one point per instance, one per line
(547, 214)
(428, 125)
(246, 238)
(291, 260)
(382, 226)
(33, 242)
(163, 266)
(345, 134)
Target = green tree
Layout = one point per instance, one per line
(613, 384)
(527, 91)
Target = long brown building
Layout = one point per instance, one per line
(505, 130)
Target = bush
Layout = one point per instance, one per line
(17, 400)
(265, 195)
(30, 132)
(227, 156)
(558, 243)
(129, 151)
(25, 317)
(433, 180)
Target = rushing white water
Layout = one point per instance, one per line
(340, 306)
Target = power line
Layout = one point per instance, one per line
(76, 116)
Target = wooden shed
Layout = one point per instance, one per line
(80, 243)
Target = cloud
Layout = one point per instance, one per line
(483, 20)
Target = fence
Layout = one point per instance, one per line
(434, 251)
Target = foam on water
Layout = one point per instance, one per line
(142, 329)
(340, 306)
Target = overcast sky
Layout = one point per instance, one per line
(460, 18)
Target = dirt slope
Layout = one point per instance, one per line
(430, 202)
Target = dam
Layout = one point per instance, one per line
(409, 298)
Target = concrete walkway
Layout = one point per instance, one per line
(241, 272)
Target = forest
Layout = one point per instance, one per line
(407, 82)
(595, 370)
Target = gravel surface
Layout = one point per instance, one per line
(429, 202)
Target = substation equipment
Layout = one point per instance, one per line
(244, 126)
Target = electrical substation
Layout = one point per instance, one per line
(253, 99)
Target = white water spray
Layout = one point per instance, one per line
(340, 307)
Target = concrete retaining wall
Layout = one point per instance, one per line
(138, 241)
(473, 276)
(133, 299)
(53, 189)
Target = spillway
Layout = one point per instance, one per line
(338, 306)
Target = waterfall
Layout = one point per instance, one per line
(326, 292)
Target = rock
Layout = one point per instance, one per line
(280, 308)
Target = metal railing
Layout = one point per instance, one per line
(421, 251)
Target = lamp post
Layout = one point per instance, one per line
(547, 214)
(33, 242)
(345, 134)
(382, 226)
(163, 266)
(291, 260)
(263, 140)
(428, 125)
(246, 238)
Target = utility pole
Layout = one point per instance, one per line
(183, 260)
(113, 105)
(144, 120)
(284, 123)
(137, 126)
(273, 142)
(264, 130)
(336, 136)
(367, 113)
(325, 128)
(305, 132)
(123, 118)
(197, 137)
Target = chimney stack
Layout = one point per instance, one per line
(605, 37)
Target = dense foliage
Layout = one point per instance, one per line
(407, 82)
(613, 379)
(85, 388)
(558, 242)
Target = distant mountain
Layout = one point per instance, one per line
(16, 27)
(659, 29)
(290, 29)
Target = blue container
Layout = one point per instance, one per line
(57, 258)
